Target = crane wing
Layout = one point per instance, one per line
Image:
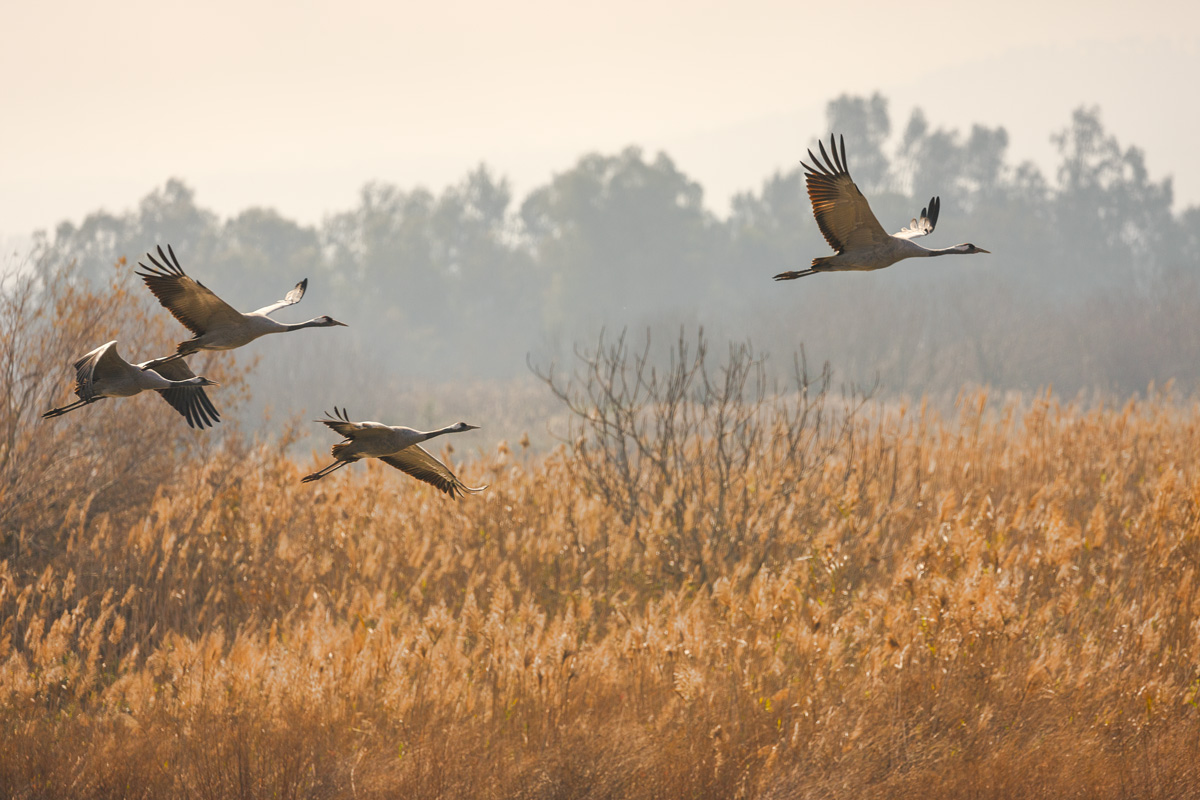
(290, 299)
(103, 359)
(416, 461)
(843, 214)
(189, 301)
(923, 224)
(190, 401)
(340, 422)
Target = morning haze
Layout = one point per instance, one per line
(1090, 284)
(679, 530)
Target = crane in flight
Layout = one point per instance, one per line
(846, 222)
(395, 445)
(216, 325)
(103, 373)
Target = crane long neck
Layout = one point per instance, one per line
(956, 250)
(295, 326)
(448, 429)
(156, 380)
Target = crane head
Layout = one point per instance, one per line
(328, 321)
(970, 249)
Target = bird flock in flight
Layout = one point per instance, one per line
(842, 213)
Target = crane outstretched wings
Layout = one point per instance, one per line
(843, 214)
(188, 300)
(416, 461)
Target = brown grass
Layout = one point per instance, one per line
(998, 605)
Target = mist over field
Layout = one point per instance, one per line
(1091, 285)
(932, 531)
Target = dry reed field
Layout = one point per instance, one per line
(714, 588)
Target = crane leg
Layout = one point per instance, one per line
(158, 362)
(58, 412)
(787, 276)
(323, 472)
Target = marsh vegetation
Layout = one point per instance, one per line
(719, 584)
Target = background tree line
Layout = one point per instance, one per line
(1093, 281)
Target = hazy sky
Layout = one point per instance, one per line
(296, 105)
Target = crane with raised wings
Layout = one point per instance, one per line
(851, 229)
(215, 324)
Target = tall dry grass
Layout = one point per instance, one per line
(715, 588)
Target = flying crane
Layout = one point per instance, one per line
(846, 222)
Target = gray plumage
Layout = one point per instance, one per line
(394, 445)
(216, 325)
(851, 229)
(103, 373)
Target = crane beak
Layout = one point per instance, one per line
(981, 250)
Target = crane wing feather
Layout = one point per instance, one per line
(193, 403)
(188, 300)
(103, 358)
(176, 370)
(290, 299)
(842, 212)
(341, 424)
(356, 430)
(190, 401)
(923, 224)
(417, 462)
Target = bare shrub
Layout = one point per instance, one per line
(701, 461)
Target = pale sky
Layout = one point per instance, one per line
(296, 105)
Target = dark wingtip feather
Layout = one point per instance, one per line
(834, 149)
(821, 146)
(166, 269)
(208, 408)
(819, 167)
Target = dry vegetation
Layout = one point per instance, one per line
(713, 589)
